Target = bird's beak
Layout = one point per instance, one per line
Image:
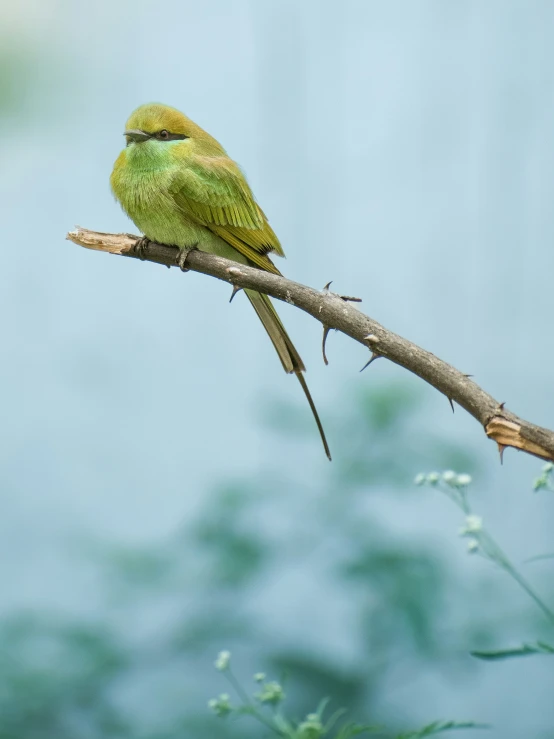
(137, 135)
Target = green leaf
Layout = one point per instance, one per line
(351, 730)
(438, 727)
(539, 557)
(334, 718)
(282, 724)
(321, 707)
(523, 651)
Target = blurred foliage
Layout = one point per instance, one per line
(268, 706)
(15, 73)
(56, 679)
(378, 438)
(234, 577)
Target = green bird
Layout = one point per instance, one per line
(179, 186)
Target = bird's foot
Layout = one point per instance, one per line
(182, 255)
(141, 247)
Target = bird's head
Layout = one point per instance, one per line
(157, 125)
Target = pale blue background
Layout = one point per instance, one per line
(402, 149)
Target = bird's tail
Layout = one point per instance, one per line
(290, 359)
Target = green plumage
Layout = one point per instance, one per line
(178, 185)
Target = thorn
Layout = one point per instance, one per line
(326, 330)
(346, 298)
(468, 375)
(501, 406)
(451, 403)
(374, 356)
(501, 448)
(236, 289)
(371, 339)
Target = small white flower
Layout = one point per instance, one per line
(472, 546)
(474, 524)
(259, 677)
(449, 477)
(221, 706)
(463, 480)
(271, 693)
(311, 727)
(222, 661)
(433, 478)
(548, 467)
(420, 479)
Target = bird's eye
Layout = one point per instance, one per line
(164, 135)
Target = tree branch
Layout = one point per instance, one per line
(334, 312)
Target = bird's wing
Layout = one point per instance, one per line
(214, 192)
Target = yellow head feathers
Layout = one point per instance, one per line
(152, 118)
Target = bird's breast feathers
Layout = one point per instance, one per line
(177, 196)
(144, 189)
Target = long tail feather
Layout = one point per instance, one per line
(290, 359)
(307, 393)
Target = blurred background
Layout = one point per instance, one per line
(164, 492)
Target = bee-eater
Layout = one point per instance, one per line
(179, 186)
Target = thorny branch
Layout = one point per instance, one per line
(334, 312)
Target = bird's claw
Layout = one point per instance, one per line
(141, 247)
(182, 256)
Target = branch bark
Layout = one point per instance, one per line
(334, 312)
